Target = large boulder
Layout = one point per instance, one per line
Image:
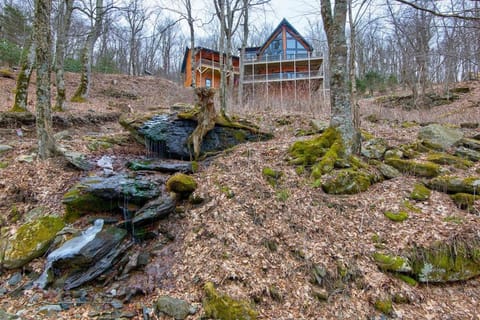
(31, 241)
(83, 258)
(347, 181)
(452, 260)
(454, 184)
(166, 135)
(439, 137)
(99, 194)
(374, 148)
(173, 307)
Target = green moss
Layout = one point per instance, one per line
(420, 192)
(384, 306)
(455, 260)
(411, 207)
(464, 201)
(391, 263)
(422, 169)
(300, 170)
(308, 152)
(409, 124)
(282, 195)
(272, 175)
(453, 184)
(182, 184)
(78, 203)
(453, 219)
(396, 216)
(367, 135)
(407, 279)
(31, 241)
(444, 159)
(227, 191)
(222, 307)
(347, 181)
(194, 166)
(3, 164)
(78, 99)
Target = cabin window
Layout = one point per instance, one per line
(208, 83)
(275, 49)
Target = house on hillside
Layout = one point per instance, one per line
(207, 68)
(284, 66)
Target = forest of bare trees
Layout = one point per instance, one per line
(412, 44)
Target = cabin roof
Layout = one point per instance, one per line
(203, 49)
(274, 34)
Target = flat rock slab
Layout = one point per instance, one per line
(161, 166)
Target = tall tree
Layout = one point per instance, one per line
(96, 16)
(136, 16)
(23, 79)
(64, 18)
(42, 36)
(341, 110)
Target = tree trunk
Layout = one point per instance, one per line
(341, 110)
(188, 7)
(64, 19)
(242, 51)
(351, 71)
(83, 90)
(23, 80)
(223, 83)
(205, 118)
(46, 143)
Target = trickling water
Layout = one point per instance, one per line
(156, 148)
(69, 249)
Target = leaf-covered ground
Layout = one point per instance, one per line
(255, 241)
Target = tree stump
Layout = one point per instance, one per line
(205, 117)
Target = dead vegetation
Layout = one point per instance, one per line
(294, 251)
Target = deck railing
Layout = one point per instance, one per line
(283, 76)
(248, 59)
(212, 64)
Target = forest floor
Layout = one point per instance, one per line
(253, 240)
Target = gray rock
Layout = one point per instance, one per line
(439, 137)
(7, 316)
(468, 154)
(473, 144)
(166, 136)
(374, 148)
(388, 171)
(161, 166)
(117, 304)
(78, 160)
(319, 125)
(153, 211)
(15, 279)
(28, 158)
(5, 148)
(173, 307)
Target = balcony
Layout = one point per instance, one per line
(283, 76)
(264, 59)
(206, 64)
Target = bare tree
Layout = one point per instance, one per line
(64, 17)
(341, 110)
(42, 36)
(96, 16)
(136, 15)
(23, 79)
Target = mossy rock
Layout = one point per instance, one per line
(99, 194)
(420, 192)
(6, 73)
(453, 184)
(310, 152)
(393, 153)
(396, 216)
(182, 184)
(464, 201)
(31, 241)
(374, 148)
(421, 169)
(392, 263)
(222, 307)
(439, 137)
(447, 159)
(457, 260)
(347, 181)
(470, 143)
(409, 124)
(3, 164)
(468, 154)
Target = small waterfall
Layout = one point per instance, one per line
(156, 148)
(68, 249)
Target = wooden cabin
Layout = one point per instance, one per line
(207, 68)
(284, 57)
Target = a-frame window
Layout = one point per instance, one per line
(294, 48)
(275, 49)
